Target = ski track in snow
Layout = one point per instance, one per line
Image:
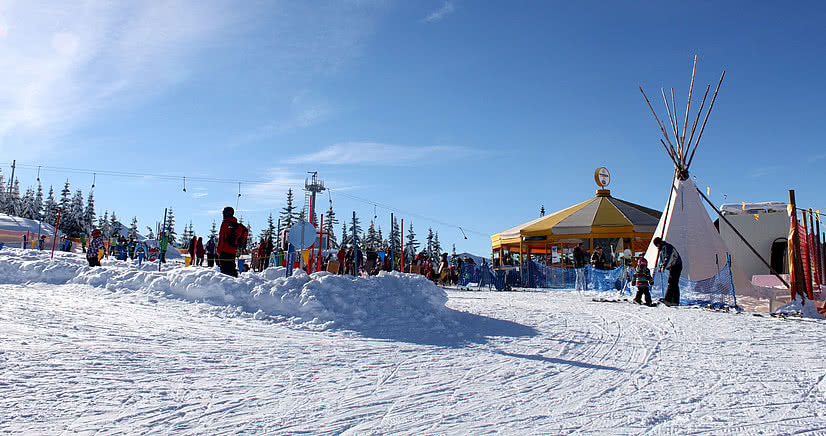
(77, 359)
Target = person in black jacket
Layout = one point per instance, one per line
(579, 265)
(669, 259)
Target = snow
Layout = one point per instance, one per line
(121, 349)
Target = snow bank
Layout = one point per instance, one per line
(386, 300)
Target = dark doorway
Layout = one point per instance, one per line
(780, 255)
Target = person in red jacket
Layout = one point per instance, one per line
(232, 236)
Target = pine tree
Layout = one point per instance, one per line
(353, 228)
(395, 235)
(380, 238)
(114, 226)
(27, 205)
(89, 213)
(429, 243)
(213, 232)
(38, 201)
(330, 221)
(453, 254)
(74, 217)
(371, 241)
(65, 199)
(186, 237)
(150, 234)
(437, 247)
(412, 245)
(14, 204)
(344, 240)
(50, 208)
(171, 235)
(542, 210)
(269, 232)
(133, 229)
(288, 215)
(103, 225)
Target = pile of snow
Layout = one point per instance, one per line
(807, 310)
(389, 300)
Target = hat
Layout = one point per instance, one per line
(642, 262)
(96, 232)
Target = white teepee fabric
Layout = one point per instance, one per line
(690, 230)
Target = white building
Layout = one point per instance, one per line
(765, 226)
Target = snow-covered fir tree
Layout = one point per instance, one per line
(382, 244)
(353, 228)
(103, 225)
(344, 235)
(437, 247)
(171, 234)
(288, 214)
(150, 233)
(27, 205)
(371, 240)
(14, 204)
(133, 229)
(74, 217)
(186, 237)
(50, 208)
(114, 226)
(269, 231)
(429, 244)
(395, 236)
(89, 213)
(412, 245)
(213, 232)
(65, 198)
(329, 222)
(38, 200)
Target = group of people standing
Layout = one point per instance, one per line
(668, 259)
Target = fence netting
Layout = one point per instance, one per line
(717, 290)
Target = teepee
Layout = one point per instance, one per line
(685, 223)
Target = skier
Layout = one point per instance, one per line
(643, 281)
(192, 243)
(95, 247)
(669, 259)
(210, 252)
(340, 256)
(579, 266)
(444, 269)
(199, 251)
(232, 236)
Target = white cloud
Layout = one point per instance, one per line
(273, 192)
(63, 62)
(350, 153)
(447, 8)
(200, 194)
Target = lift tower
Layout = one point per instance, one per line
(312, 186)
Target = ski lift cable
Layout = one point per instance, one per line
(239, 182)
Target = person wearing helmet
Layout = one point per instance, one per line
(642, 280)
(95, 246)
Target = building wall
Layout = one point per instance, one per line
(760, 233)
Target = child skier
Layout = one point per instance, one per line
(643, 281)
(95, 247)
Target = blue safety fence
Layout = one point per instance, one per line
(717, 290)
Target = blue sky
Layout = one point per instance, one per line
(470, 113)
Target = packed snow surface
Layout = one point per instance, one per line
(122, 350)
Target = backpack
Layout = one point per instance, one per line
(241, 233)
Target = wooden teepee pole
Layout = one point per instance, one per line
(710, 106)
(677, 128)
(688, 104)
(660, 124)
(699, 113)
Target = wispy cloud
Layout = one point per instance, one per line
(64, 61)
(273, 192)
(304, 111)
(447, 8)
(372, 153)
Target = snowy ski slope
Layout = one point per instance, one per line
(79, 355)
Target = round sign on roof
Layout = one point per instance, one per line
(602, 177)
(302, 235)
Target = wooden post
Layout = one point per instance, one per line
(797, 285)
(807, 266)
(54, 238)
(813, 243)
